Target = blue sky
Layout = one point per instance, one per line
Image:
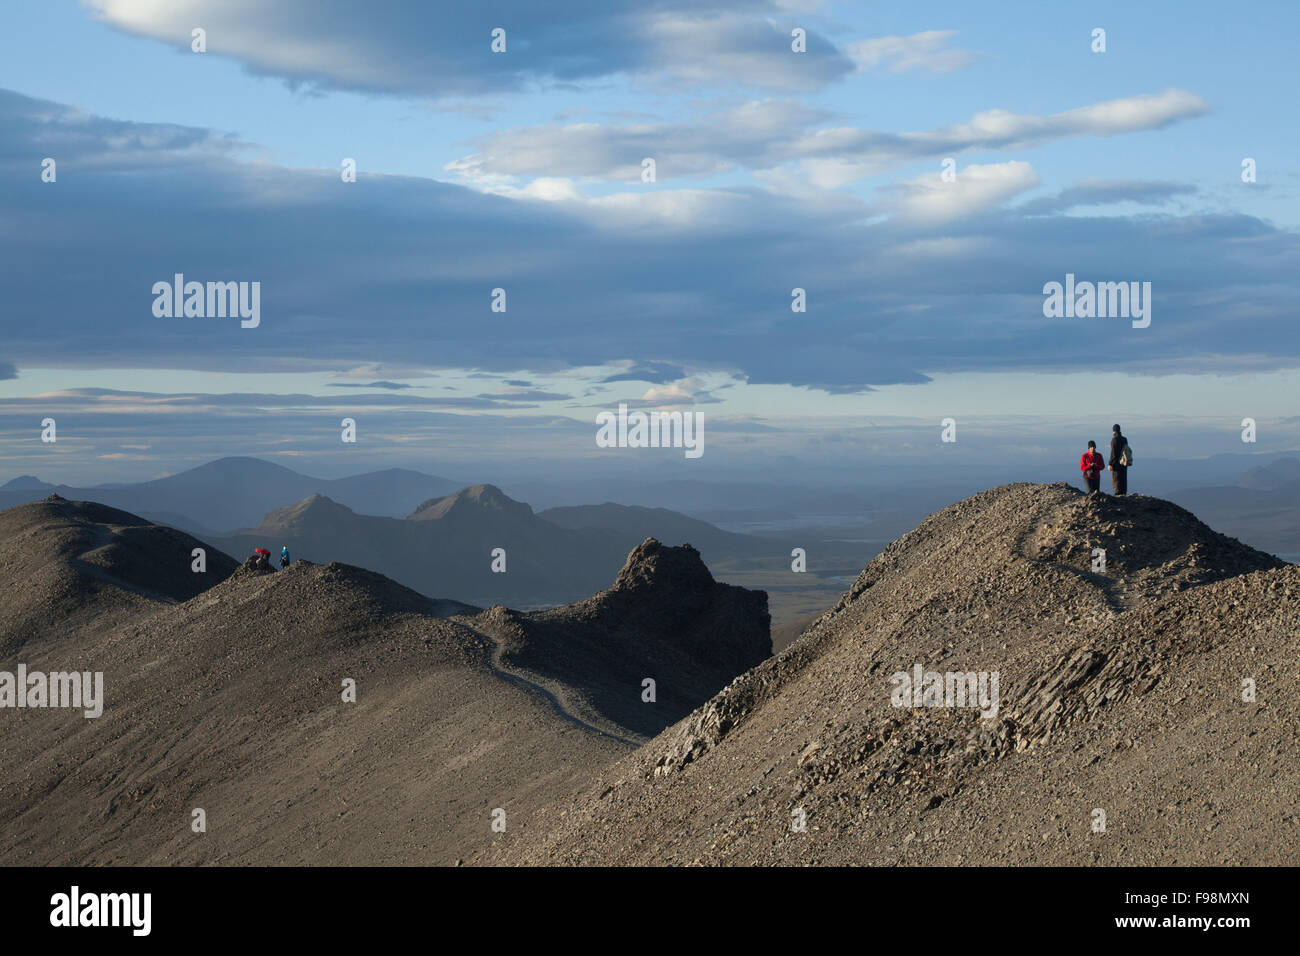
(776, 170)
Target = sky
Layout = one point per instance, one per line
(921, 174)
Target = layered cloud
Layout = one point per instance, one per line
(935, 198)
(392, 272)
(413, 47)
(766, 134)
(1097, 192)
(927, 51)
(35, 129)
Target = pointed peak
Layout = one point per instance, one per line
(313, 507)
(25, 483)
(475, 498)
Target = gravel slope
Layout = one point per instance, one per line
(225, 692)
(1119, 692)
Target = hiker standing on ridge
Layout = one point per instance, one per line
(1120, 458)
(284, 556)
(1091, 465)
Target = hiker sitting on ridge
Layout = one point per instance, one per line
(1121, 456)
(1091, 464)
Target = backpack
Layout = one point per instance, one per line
(1126, 456)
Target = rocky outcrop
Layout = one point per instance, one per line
(665, 619)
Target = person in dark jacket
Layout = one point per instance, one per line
(1091, 465)
(1118, 472)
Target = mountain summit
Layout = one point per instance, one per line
(470, 502)
(652, 566)
(308, 514)
(1119, 687)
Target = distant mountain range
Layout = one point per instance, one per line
(429, 534)
(1273, 476)
(421, 530)
(234, 493)
(450, 545)
(445, 546)
(1261, 507)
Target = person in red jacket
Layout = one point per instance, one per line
(1091, 465)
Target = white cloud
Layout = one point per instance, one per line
(770, 134)
(920, 51)
(442, 50)
(689, 391)
(929, 200)
(695, 279)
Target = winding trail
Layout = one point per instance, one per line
(553, 692)
(1116, 592)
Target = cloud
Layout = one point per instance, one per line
(767, 134)
(526, 395)
(35, 129)
(930, 199)
(178, 431)
(920, 51)
(650, 283)
(167, 402)
(837, 156)
(688, 391)
(741, 424)
(417, 48)
(389, 385)
(658, 373)
(1098, 192)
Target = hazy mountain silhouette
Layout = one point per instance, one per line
(1275, 475)
(445, 546)
(26, 483)
(234, 493)
(633, 524)
(1262, 506)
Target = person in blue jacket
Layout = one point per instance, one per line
(284, 556)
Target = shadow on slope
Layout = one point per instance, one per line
(665, 619)
(64, 563)
(1121, 690)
